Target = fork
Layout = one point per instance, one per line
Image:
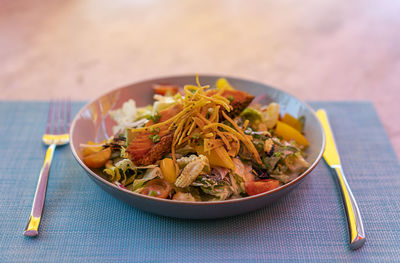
(57, 128)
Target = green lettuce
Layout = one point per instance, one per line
(150, 174)
(219, 190)
(124, 171)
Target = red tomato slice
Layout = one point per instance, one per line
(261, 186)
(157, 188)
(165, 89)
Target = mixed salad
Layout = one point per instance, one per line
(199, 143)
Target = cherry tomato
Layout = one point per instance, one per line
(261, 186)
(157, 188)
(93, 148)
(97, 159)
(165, 89)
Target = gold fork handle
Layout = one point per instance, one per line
(356, 228)
(31, 228)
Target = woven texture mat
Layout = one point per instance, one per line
(83, 223)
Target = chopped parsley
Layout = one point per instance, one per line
(155, 130)
(230, 98)
(155, 137)
(155, 118)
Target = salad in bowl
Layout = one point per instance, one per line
(200, 143)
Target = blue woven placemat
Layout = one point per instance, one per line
(83, 223)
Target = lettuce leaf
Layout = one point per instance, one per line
(124, 171)
(150, 174)
(220, 190)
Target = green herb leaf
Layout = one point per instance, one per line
(155, 130)
(155, 137)
(155, 118)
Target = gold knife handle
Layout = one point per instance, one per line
(354, 221)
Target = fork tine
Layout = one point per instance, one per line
(62, 117)
(55, 116)
(68, 114)
(49, 116)
(59, 116)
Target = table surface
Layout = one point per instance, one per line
(317, 50)
(82, 223)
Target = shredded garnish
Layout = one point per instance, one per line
(201, 114)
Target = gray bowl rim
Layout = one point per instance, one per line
(195, 203)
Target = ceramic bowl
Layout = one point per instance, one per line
(93, 123)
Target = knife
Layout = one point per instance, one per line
(331, 157)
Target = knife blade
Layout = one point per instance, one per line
(331, 157)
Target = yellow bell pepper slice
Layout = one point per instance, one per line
(222, 83)
(292, 121)
(287, 132)
(168, 170)
(217, 157)
(97, 159)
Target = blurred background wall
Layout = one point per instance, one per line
(316, 50)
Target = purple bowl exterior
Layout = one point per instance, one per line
(93, 123)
